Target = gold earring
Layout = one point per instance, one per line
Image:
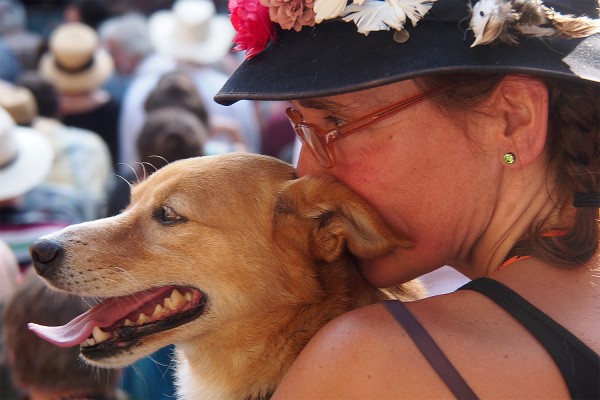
(509, 158)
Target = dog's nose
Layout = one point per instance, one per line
(45, 254)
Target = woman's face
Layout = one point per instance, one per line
(427, 177)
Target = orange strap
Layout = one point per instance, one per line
(514, 259)
(511, 260)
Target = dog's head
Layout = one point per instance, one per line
(210, 247)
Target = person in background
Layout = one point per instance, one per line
(169, 134)
(28, 207)
(9, 274)
(40, 369)
(90, 12)
(198, 39)
(81, 158)
(178, 89)
(473, 128)
(18, 102)
(126, 38)
(10, 278)
(78, 67)
(10, 67)
(278, 137)
(26, 45)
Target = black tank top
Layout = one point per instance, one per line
(579, 365)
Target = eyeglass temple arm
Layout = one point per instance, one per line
(346, 130)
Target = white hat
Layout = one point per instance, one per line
(25, 157)
(76, 63)
(191, 31)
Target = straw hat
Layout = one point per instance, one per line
(191, 31)
(25, 158)
(308, 55)
(19, 102)
(76, 63)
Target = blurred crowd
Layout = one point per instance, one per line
(95, 95)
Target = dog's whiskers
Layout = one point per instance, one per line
(126, 180)
(124, 273)
(150, 165)
(88, 301)
(143, 167)
(170, 366)
(134, 172)
(162, 158)
(140, 375)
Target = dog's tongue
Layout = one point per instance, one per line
(102, 315)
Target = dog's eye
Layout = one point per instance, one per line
(167, 215)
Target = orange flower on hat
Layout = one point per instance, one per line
(253, 26)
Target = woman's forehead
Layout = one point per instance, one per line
(355, 101)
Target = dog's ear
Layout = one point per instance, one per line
(335, 220)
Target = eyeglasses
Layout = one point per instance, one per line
(320, 141)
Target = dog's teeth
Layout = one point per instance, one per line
(176, 299)
(128, 322)
(188, 296)
(99, 335)
(141, 319)
(158, 311)
(90, 342)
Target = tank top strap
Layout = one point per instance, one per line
(430, 350)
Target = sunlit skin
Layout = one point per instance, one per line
(446, 187)
(443, 182)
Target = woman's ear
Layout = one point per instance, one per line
(523, 104)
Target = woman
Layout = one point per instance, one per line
(476, 133)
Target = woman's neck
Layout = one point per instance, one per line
(523, 202)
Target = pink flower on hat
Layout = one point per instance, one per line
(253, 26)
(291, 13)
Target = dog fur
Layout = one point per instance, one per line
(272, 255)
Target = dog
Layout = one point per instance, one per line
(232, 258)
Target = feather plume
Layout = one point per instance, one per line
(505, 20)
(374, 15)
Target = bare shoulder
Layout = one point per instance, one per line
(366, 354)
(362, 354)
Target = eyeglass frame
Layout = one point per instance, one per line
(326, 138)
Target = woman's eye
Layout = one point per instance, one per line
(166, 214)
(337, 121)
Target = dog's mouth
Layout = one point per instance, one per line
(120, 322)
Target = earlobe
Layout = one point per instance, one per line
(523, 103)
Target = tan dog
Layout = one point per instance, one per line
(230, 258)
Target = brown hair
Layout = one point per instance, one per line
(170, 134)
(573, 146)
(177, 89)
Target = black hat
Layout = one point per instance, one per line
(332, 57)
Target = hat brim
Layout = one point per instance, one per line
(162, 28)
(78, 82)
(333, 58)
(31, 166)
